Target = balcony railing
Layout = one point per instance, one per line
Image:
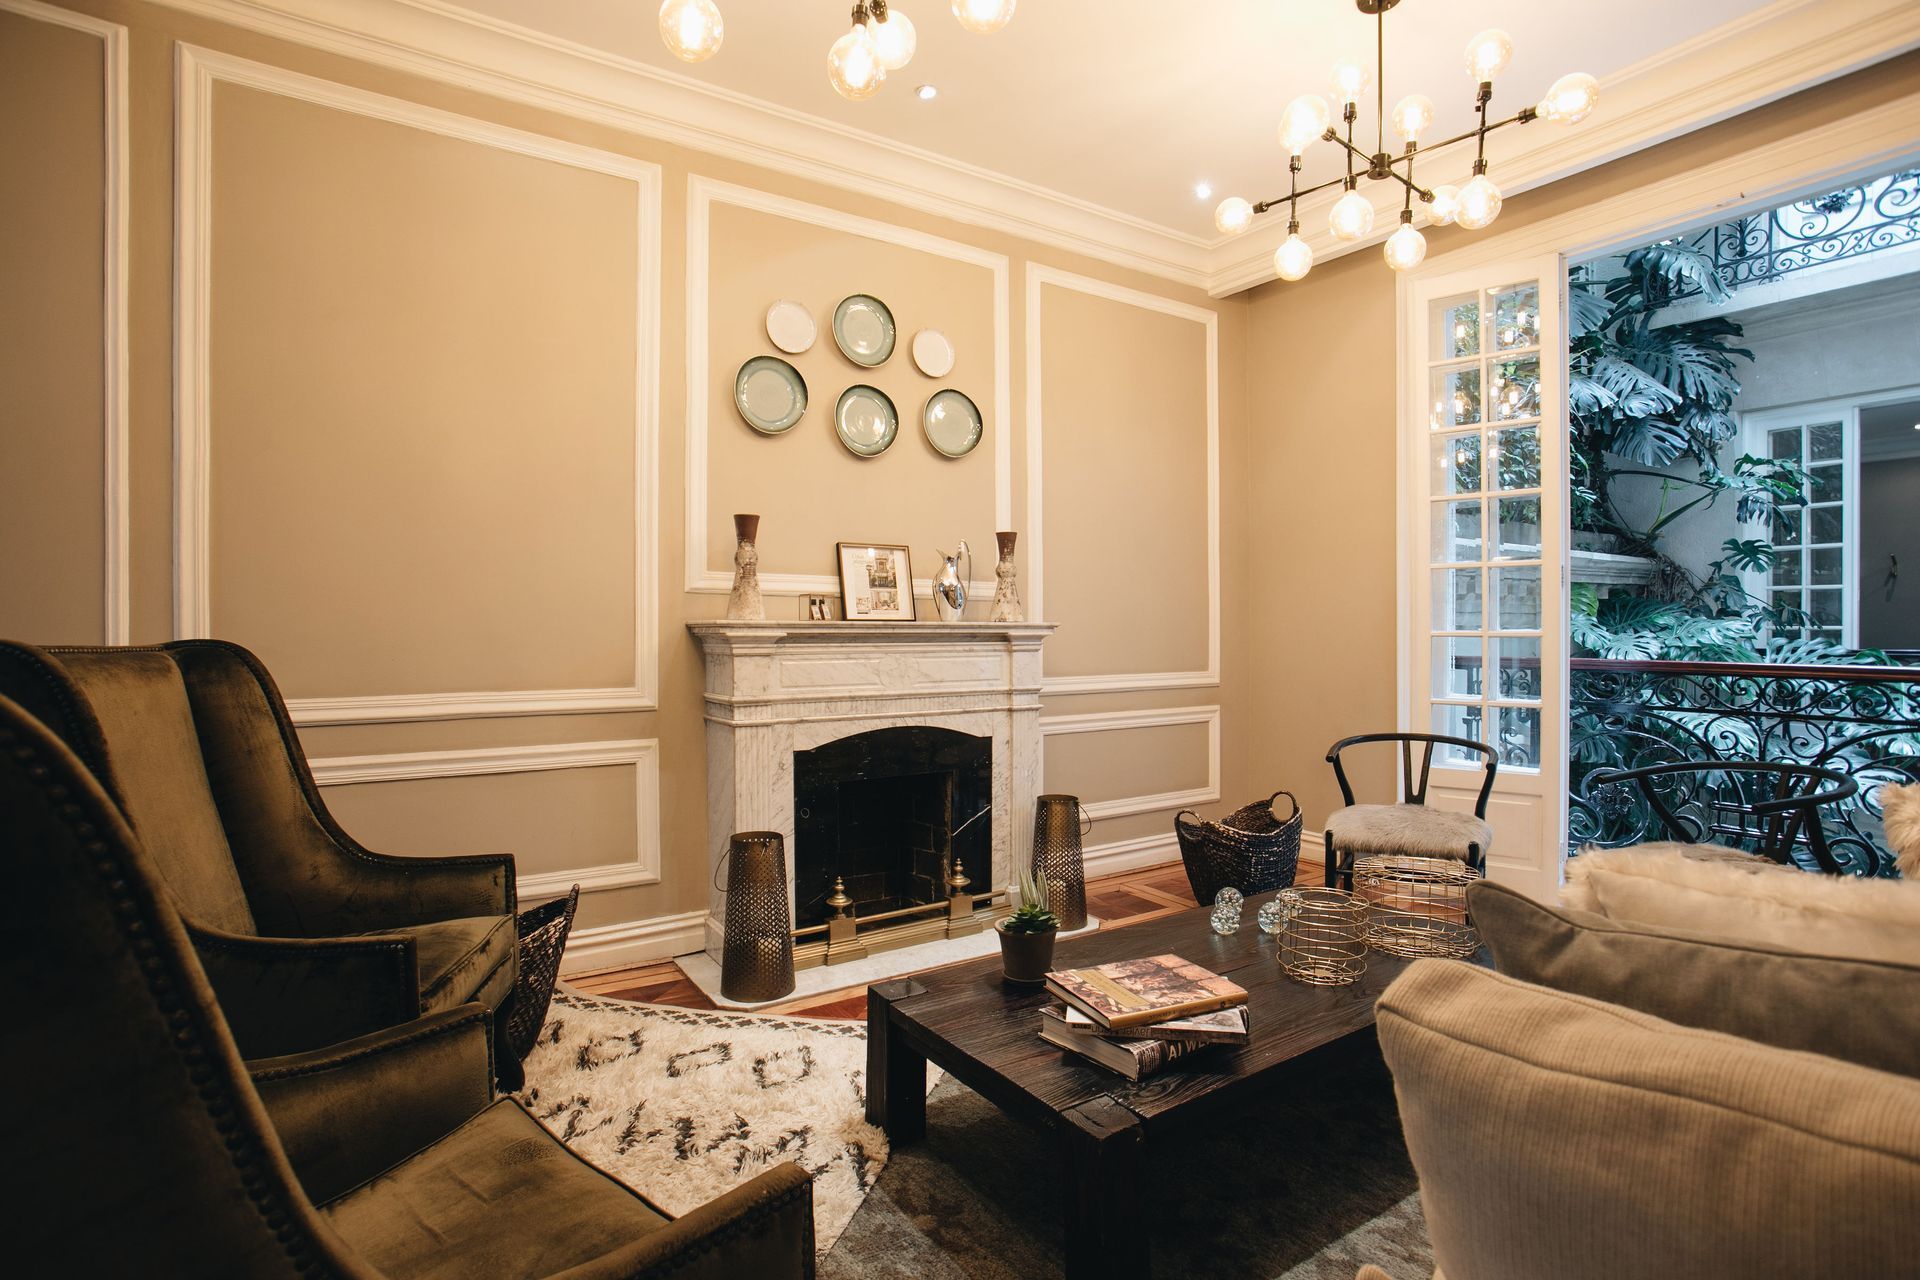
(1863, 721)
(1883, 214)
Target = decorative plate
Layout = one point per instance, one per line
(790, 326)
(863, 328)
(952, 423)
(933, 353)
(865, 420)
(770, 394)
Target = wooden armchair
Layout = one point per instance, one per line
(1413, 826)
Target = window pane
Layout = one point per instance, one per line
(1827, 566)
(1456, 397)
(1517, 458)
(1519, 529)
(1789, 600)
(1457, 666)
(1825, 483)
(1786, 569)
(1519, 744)
(1786, 526)
(1456, 531)
(1823, 524)
(1458, 722)
(1784, 443)
(1455, 324)
(1825, 607)
(1516, 389)
(1823, 442)
(1456, 463)
(1516, 317)
(1519, 666)
(1517, 599)
(1456, 600)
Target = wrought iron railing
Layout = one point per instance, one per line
(1862, 721)
(1882, 214)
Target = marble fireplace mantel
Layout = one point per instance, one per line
(774, 688)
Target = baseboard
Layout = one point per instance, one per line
(634, 942)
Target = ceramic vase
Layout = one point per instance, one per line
(744, 604)
(1006, 590)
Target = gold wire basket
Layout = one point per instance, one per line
(1416, 906)
(1321, 936)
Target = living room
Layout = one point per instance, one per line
(756, 510)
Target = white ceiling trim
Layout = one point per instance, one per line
(1766, 55)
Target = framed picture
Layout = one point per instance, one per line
(876, 583)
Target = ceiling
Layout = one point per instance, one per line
(1127, 104)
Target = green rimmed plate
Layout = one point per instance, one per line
(863, 329)
(770, 394)
(865, 420)
(952, 422)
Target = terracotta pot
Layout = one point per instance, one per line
(1026, 957)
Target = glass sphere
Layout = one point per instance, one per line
(1571, 100)
(1446, 204)
(1479, 203)
(983, 17)
(1233, 216)
(853, 67)
(691, 29)
(1304, 120)
(1412, 116)
(1352, 216)
(1488, 54)
(894, 40)
(1405, 248)
(1293, 259)
(1350, 80)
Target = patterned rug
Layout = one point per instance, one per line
(683, 1105)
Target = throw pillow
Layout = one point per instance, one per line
(1901, 805)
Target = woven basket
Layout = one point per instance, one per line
(1250, 849)
(543, 938)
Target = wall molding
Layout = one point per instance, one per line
(702, 194)
(116, 535)
(198, 70)
(643, 754)
(1038, 277)
(1118, 721)
(618, 946)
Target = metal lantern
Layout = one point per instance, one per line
(756, 955)
(1416, 906)
(1058, 828)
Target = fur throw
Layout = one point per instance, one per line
(1901, 805)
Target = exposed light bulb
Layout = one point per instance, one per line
(1412, 116)
(1488, 54)
(691, 29)
(983, 17)
(1571, 100)
(1446, 204)
(853, 67)
(1294, 258)
(1351, 217)
(894, 40)
(1304, 120)
(1233, 216)
(1405, 248)
(1350, 80)
(1479, 203)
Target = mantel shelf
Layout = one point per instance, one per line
(844, 632)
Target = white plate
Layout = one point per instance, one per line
(933, 353)
(863, 328)
(790, 326)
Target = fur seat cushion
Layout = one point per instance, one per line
(1901, 805)
(1409, 829)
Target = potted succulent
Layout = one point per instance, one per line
(1026, 936)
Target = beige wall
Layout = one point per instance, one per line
(422, 413)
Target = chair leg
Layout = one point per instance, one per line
(1330, 863)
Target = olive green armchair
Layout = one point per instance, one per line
(308, 938)
(140, 1144)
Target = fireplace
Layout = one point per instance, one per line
(883, 814)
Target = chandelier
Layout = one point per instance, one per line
(1308, 119)
(881, 38)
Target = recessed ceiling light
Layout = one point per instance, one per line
(1203, 191)
(926, 93)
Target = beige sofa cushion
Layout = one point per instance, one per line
(1559, 1138)
(1749, 899)
(1864, 1011)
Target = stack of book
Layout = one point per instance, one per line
(1137, 1017)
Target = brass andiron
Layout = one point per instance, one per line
(756, 955)
(843, 930)
(960, 915)
(1058, 829)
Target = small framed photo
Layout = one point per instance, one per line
(876, 583)
(816, 609)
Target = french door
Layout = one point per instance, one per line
(1483, 470)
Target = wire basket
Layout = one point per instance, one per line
(543, 941)
(1251, 849)
(1416, 906)
(1321, 936)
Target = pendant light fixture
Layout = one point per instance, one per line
(854, 68)
(691, 29)
(1309, 119)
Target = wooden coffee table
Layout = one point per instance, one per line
(986, 1032)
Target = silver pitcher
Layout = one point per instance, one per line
(949, 587)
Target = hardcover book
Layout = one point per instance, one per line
(1130, 993)
(1134, 1059)
(1222, 1026)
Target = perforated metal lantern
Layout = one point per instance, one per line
(756, 954)
(1058, 828)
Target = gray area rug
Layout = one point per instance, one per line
(1308, 1185)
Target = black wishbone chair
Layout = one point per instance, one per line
(1768, 809)
(1411, 827)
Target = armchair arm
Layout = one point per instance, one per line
(763, 1229)
(381, 891)
(287, 995)
(350, 1111)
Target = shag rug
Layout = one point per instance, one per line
(683, 1105)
